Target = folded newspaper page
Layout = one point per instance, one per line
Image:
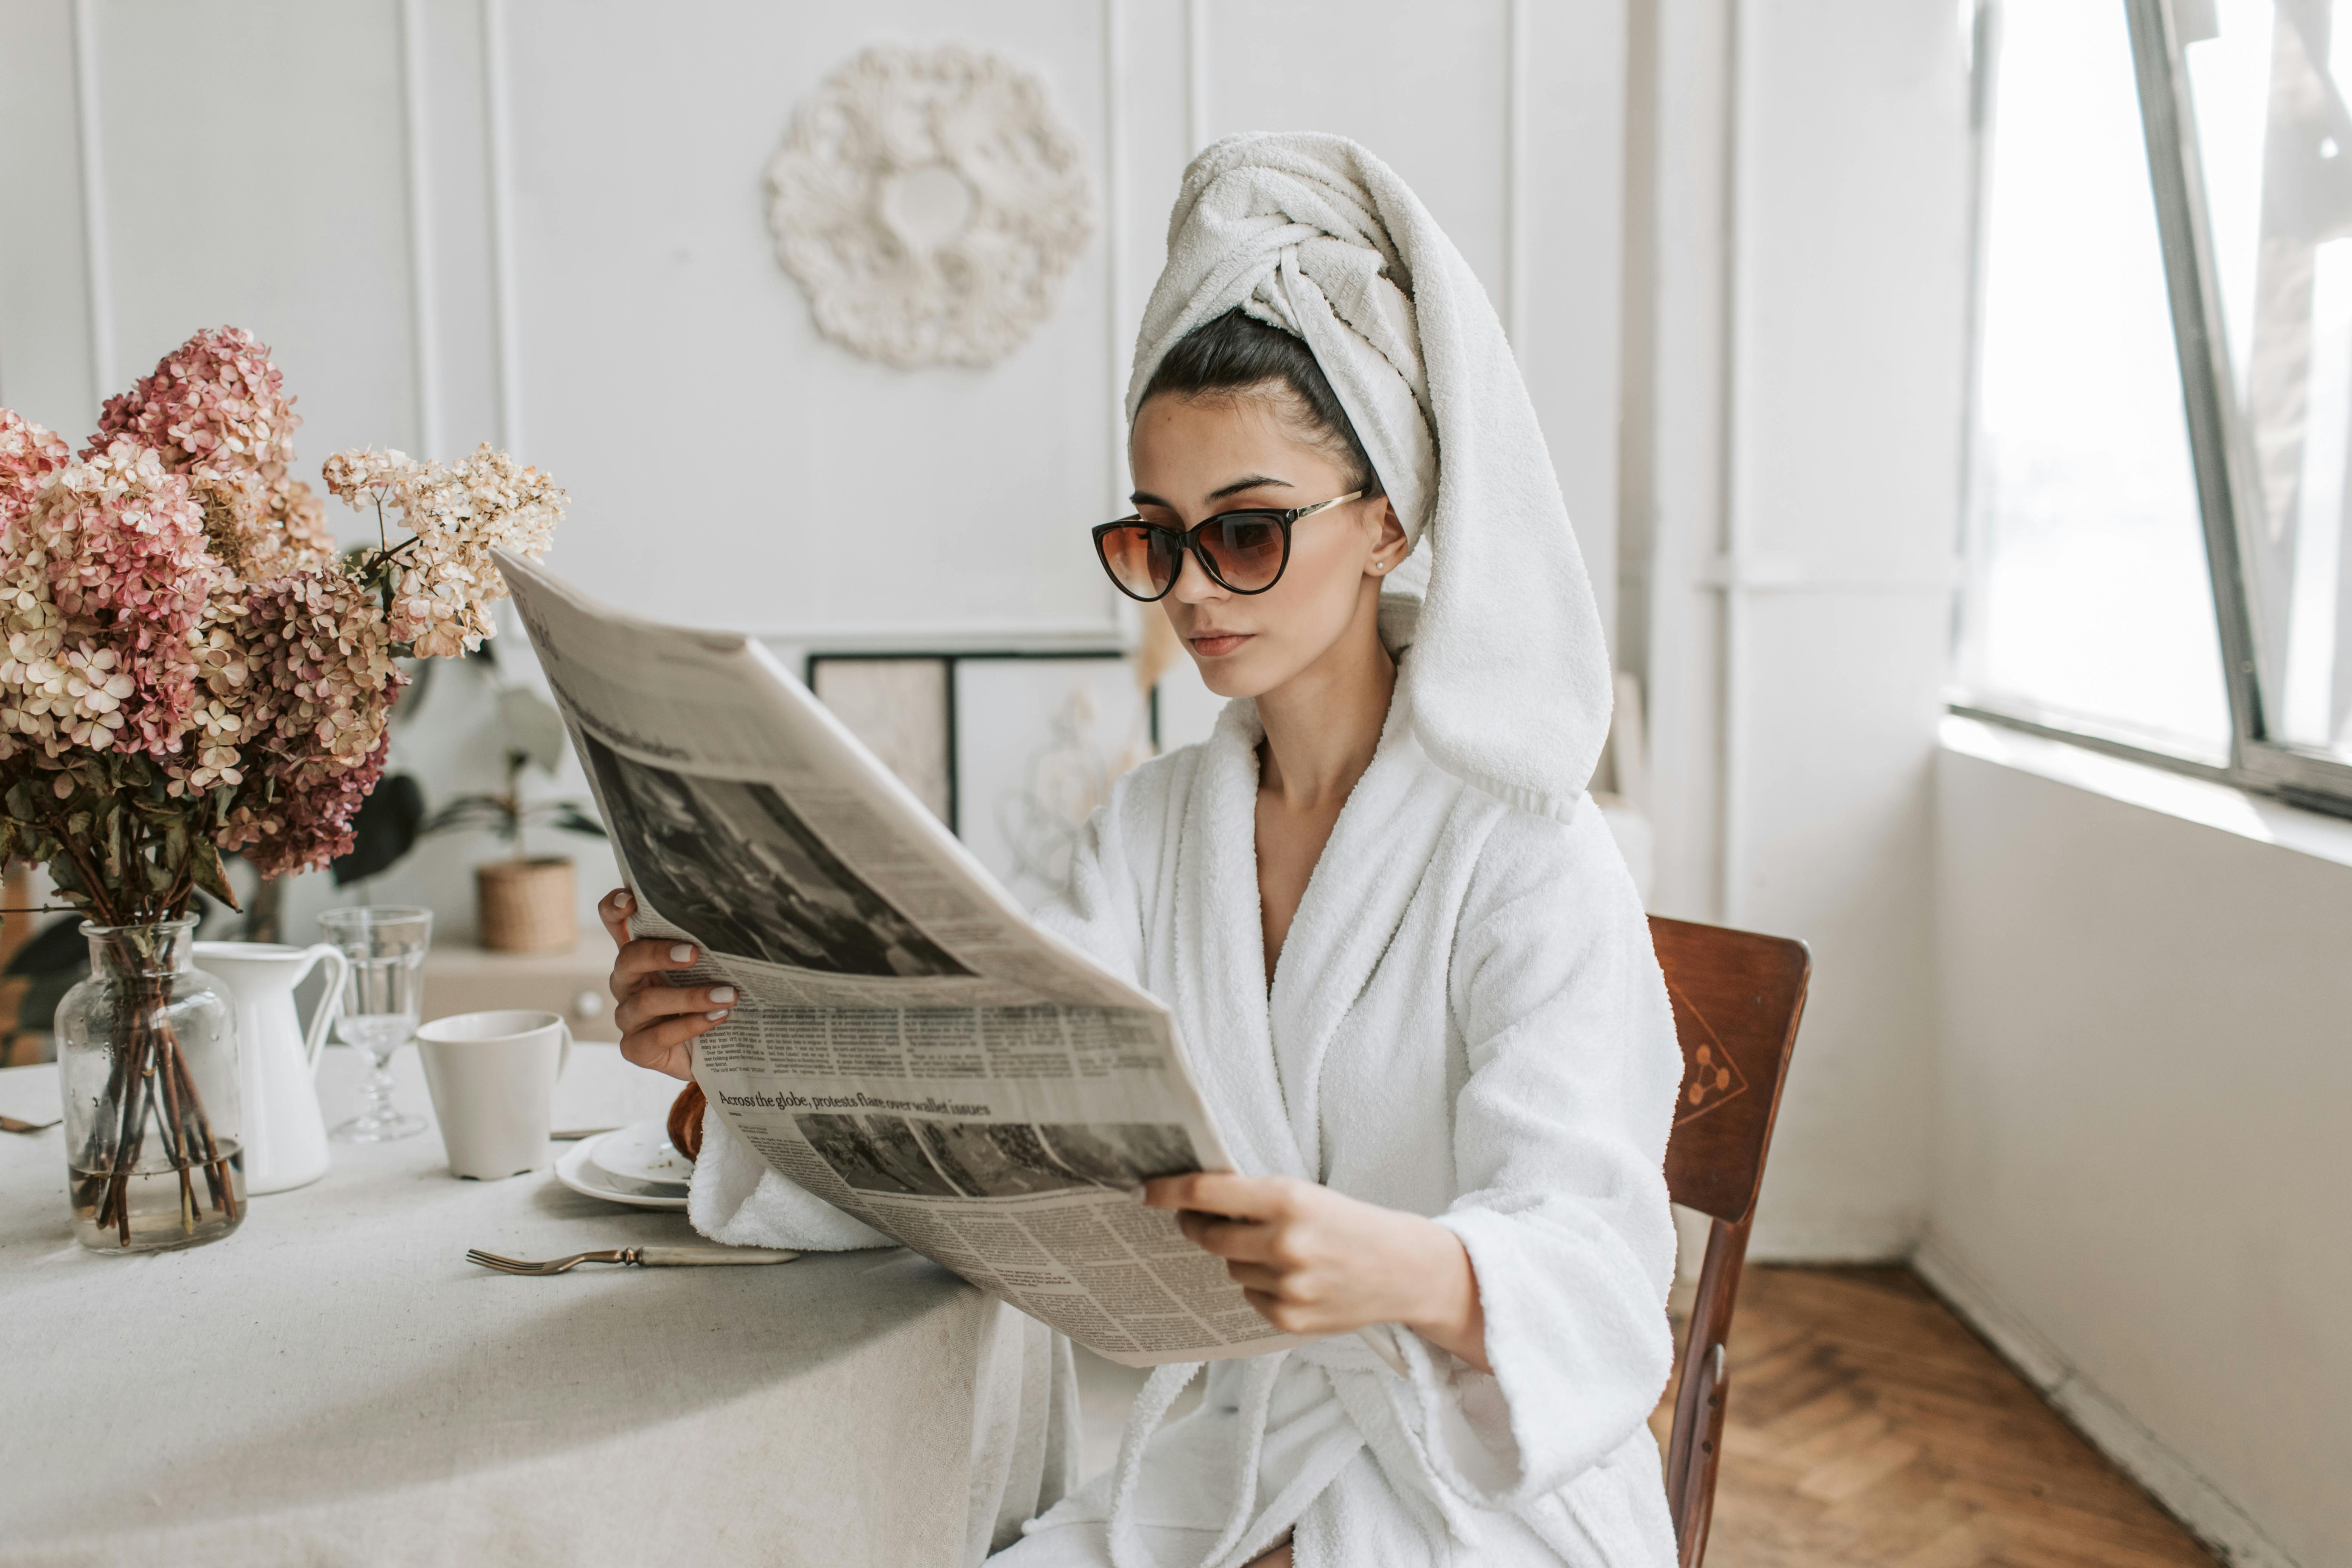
(909, 1046)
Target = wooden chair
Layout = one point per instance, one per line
(1736, 998)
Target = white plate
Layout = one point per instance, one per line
(642, 1153)
(575, 1170)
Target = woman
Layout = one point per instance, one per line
(1399, 943)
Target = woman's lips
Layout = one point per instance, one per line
(1211, 645)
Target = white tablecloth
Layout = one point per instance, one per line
(335, 1383)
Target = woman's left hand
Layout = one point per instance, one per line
(1312, 1261)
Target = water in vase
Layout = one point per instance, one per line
(165, 1212)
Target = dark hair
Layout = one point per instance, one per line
(1235, 354)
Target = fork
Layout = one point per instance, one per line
(640, 1257)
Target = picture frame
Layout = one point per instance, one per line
(1011, 749)
(902, 706)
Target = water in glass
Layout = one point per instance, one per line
(383, 1001)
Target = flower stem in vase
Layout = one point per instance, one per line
(131, 1142)
(91, 1169)
(216, 1171)
(176, 1139)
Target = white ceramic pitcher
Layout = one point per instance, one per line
(285, 1133)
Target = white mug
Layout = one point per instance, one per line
(493, 1080)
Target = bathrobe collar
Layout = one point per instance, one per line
(1267, 1048)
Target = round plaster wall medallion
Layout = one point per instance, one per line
(930, 202)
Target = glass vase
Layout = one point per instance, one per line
(147, 1058)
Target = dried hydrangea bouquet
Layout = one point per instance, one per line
(192, 668)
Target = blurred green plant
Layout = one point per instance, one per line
(534, 738)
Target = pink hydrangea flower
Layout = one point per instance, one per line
(216, 409)
(28, 455)
(318, 643)
(103, 579)
(317, 695)
(306, 820)
(218, 400)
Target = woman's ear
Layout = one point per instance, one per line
(1391, 549)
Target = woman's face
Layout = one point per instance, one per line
(1194, 458)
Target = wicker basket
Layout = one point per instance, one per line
(526, 906)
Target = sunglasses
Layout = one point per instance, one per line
(1242, 552)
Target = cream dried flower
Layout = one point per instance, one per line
(364, 475)
(440, 584)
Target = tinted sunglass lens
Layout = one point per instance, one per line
(1141, 560)
(1246, 550)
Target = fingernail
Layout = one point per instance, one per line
(722, 993)
(622, 900)
(681, 954)
(714, 1018)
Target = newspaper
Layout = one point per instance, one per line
(909, 1045)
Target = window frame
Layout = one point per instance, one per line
(2220, 447)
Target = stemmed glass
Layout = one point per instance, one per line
(382, 1000)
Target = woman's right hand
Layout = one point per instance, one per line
(658, 1022)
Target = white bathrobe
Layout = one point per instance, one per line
(1466, 1022)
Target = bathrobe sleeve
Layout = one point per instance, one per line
(1560, 1149)
(738, 1200)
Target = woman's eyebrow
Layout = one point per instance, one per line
(1255, 481)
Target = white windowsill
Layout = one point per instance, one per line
(2216, 805)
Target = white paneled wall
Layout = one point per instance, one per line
(729, 463)
(1811, 272)
(542, 222)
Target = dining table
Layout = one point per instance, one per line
(333, 1382)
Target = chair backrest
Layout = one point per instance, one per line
(1737, 997)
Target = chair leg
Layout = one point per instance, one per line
(1696, 1446)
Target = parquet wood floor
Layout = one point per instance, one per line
(1869, 1427)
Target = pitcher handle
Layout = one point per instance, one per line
(314, 1039)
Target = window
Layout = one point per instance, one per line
(2161, 453)
(2087, 601)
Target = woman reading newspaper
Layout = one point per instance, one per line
(1401, 946)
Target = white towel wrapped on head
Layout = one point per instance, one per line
(1312, 234)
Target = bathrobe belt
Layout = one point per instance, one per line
(1249, 1530)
